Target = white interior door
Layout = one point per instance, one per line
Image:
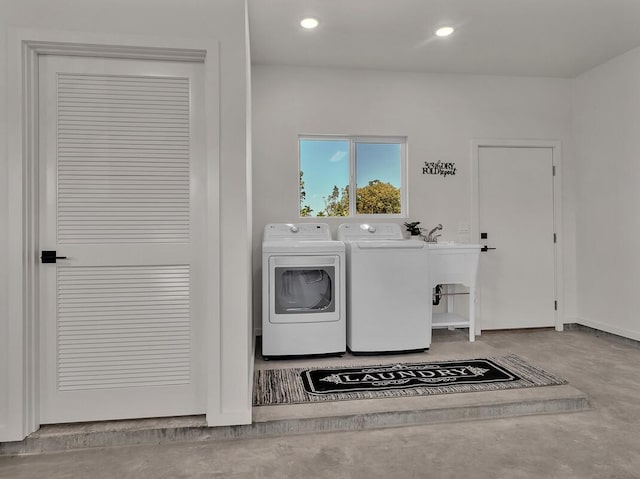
(517, 278)
(122, 197)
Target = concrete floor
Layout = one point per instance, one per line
(603, 442)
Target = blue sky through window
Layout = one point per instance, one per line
(325, 163)
(378, 161)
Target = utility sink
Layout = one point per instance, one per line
(453, 245)
(451, 262)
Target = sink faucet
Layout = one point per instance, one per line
(431, 237)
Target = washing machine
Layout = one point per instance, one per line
(303, 291)
(388, 293)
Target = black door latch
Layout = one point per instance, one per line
(50, 257)
(485, 248)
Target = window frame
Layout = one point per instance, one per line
(353, 140)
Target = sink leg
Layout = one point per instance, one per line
(472, 314)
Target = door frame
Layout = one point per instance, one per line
(556, 149)
(24, 48)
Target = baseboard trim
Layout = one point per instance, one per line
(598, 329)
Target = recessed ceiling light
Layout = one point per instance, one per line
(309, 23)
(444, 31)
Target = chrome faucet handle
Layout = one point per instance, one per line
(431, 238)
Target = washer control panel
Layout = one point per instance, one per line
(297, 231)
(369, 231)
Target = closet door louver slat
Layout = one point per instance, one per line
(123, 159)
(123, 326)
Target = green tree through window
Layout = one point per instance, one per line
(337, 203)
(306, 209)
(378, 198)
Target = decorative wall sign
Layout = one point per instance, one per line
(439, 168)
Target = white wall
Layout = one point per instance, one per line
(4, 242)
(221, 20)
(606, 104)
(440, 115)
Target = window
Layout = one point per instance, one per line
(334, 170)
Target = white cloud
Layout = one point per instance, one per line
(338, 156)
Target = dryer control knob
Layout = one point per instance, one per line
(371, 229)
(294, 229)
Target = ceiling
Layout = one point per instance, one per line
(551, 38)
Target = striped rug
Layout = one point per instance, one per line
(287, 386)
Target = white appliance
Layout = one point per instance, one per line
(303, 291)
(388, 291)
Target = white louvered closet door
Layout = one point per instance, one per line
(122, 196)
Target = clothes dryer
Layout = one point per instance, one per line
(303, 291)
(388, 291)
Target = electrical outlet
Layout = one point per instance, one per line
(464, 232)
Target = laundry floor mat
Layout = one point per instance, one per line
(339, 383)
